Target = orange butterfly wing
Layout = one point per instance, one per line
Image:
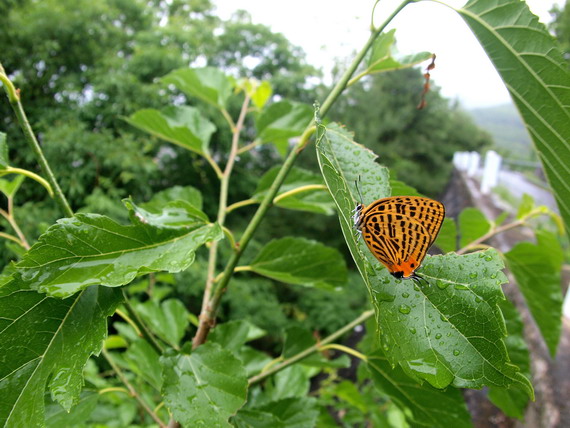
(399, 231)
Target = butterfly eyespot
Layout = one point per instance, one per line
(399, 231)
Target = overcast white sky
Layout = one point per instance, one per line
(333, 29)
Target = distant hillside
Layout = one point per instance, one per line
(505, 125)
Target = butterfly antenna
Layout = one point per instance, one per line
(418, 279)
(358, 189)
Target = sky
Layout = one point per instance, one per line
(330, 30)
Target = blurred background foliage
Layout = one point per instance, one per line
(82, 66)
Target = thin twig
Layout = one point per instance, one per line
(315, 348)
(14, 97)
(213, 253)
(141, 326)
(9, 216)
(132, 391)
(208, 316)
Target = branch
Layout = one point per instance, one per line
(14, 97)
(205, 319)
(134, 317)
(132, 391)
(496, 230)
(210, 309)
(315, 348)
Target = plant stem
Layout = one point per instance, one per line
(315, 348)
(141, 326)
(301, 189)
(224, 185)
(240, 204)
(9, 216)
(14, 239)
(249, 147)
(209, 310)
(132, 390)
(495, 231)
(30, 174)
(344, 349)
(31, 138)
(214, 165)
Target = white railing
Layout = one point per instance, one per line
(470, 163)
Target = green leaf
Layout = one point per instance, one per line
(176, 193)
(317, 200)
(526, 205)
(204, 388)
(301, 261)
(549, 241)
(181, 125)
(292, 381)
(208, 83)
(472, 225)
(399, 188)
(447, 237)
(287, 413)
(175, 214)
(114, 341)
(254, 361)
(169, 319)
(92, 249)
(234, 334)
(533, 68)
(58, 417)
(448, 333)
(281, 121)
(260, 92)
(45, 339)
(423, 405)
(510, 400)
(144, 361)
(380, 58)
(539, 281)
(10, 187)
(347, 392)
(297, 339)
(4, 163)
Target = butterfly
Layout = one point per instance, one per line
(399, 230)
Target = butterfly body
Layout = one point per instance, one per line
(399, 230)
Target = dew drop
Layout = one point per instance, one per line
(438, 336)
(405, 295)
(443, 318)
(493, 275)
(416, 287)
(428, 330)
(473, 275)
(461, 287)
(404, 309)
(413, 330)
(488, 258)
(441, 284)
(478, 299)
(456, 352)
